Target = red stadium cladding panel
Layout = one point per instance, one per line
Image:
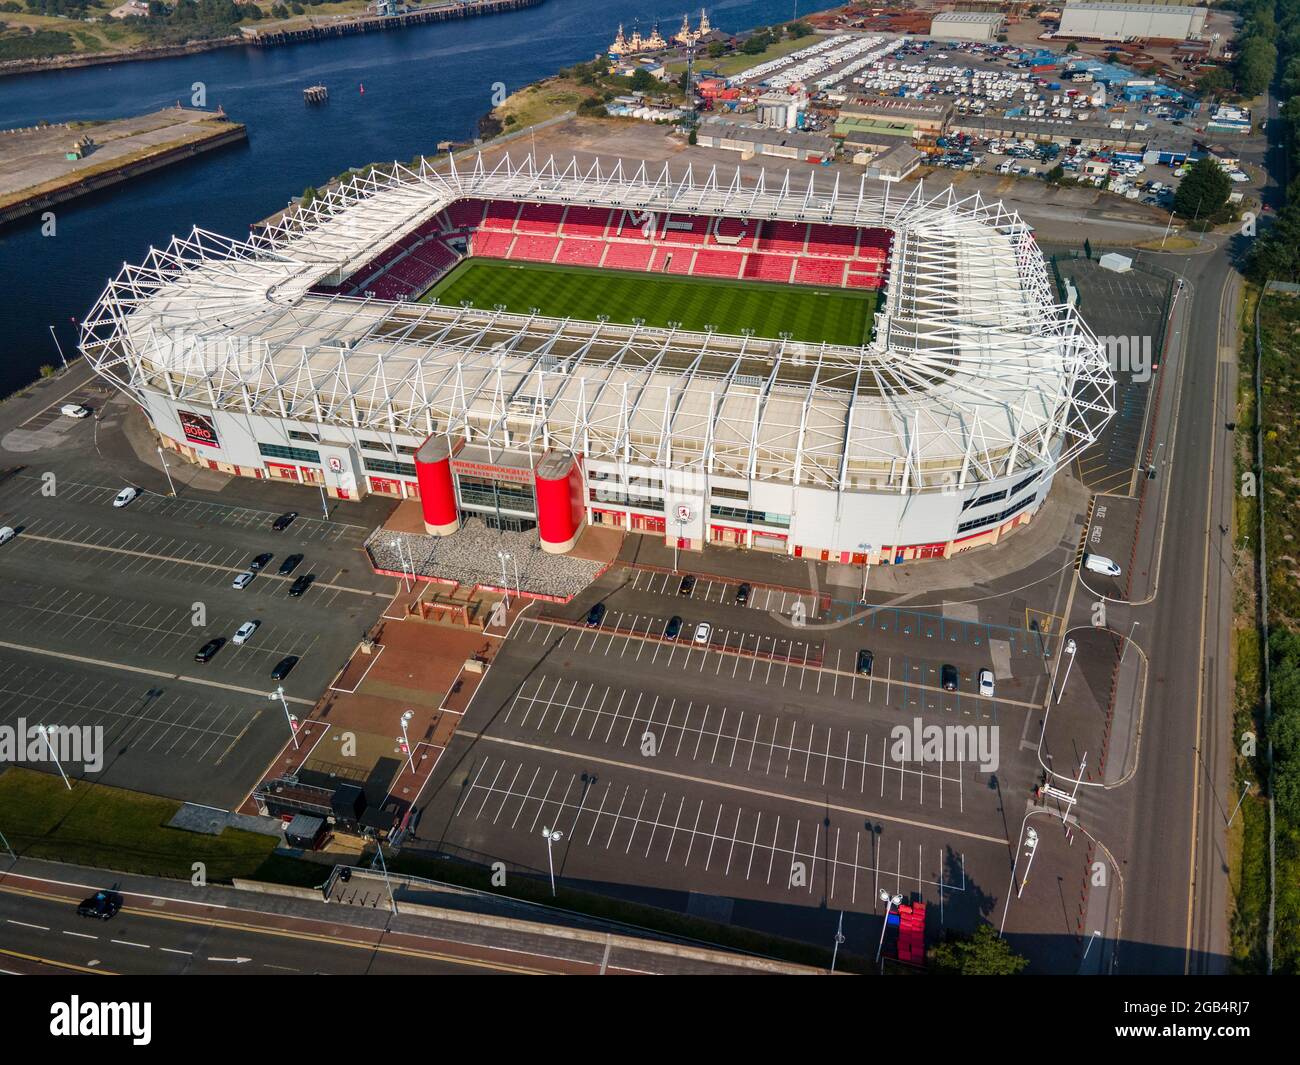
(561, 506)
(437, 488)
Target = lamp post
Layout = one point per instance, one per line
(889, 900)
(401, 558)
(44, 732)
(1070, 648)
(62, 357)
(505, 579)
(839, 938)
(290, 718)
(551, 836)
(406, 739)
(1031, 845)
(166, 470)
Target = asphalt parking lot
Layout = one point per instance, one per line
(102, 610)
(758, 765)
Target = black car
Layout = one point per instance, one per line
(865, 660)
(742, 594)
(102, 905)
(300, 585)
(687, 586)
(284, 520)
(948, 678)
(260, 562)
(289, 565)
(206, 652)
(673, 628)
(284, 667)
(595, 615)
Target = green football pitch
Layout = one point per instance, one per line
(813, 315)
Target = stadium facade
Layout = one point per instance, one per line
(303, 353)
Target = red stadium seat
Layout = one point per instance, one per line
(501, 215)
(831, 240)
(735, 233)
(768, 267)
(820, 271)
(540, 218)
(535, 248)
(581, 252)
(586, 222)
(628, 257)
(711, 263)
(783, 236)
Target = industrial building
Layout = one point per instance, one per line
(967, 26)
(759, 140)
(302, 352)
(1119, 21)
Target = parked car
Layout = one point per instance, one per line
(948, 678)
(595, 615)
(125, 496)
(742, 594)
(260, 562)
(243, 580)
(284, 667)
(244, 631)
(865, 661)
(102, 905)
(300, 585)
(986, 683)
(284, 520)
(673, 629)
(1101, 564)
(209, 649)
(687, 586)
(74, 410)
(702, 632)
(289, 565)
(6, 534)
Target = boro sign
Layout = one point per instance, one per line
(198, 429)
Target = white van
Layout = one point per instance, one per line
(1101, 564)
(6, 534)
(74, 410)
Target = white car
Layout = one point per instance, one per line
(125, 496)
(6, 534)
(703, 631)
(74, 410)
(986, 683)
(1101, 564)
(244, 631)
(243, 580)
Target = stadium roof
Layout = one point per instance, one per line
(973, 371)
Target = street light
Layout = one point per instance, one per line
(1031, 845)
(163, 459)
(62, 357)
(401, 558)
(551, 836)
(293, 721)
(44, 732)
(839, 938)
(1070, 648)
(889, 900)
(406, 739)
(504, 556)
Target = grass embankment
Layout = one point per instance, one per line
(542, 100)
(126, 831)
(812, 315)
(1248, 840)
(736, 62)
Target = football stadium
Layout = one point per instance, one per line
(795, 363)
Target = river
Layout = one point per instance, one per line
(422, 85)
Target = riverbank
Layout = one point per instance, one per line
(291, 31)
(36, 172)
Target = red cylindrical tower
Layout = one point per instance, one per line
(561, 508)
(437, 488)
